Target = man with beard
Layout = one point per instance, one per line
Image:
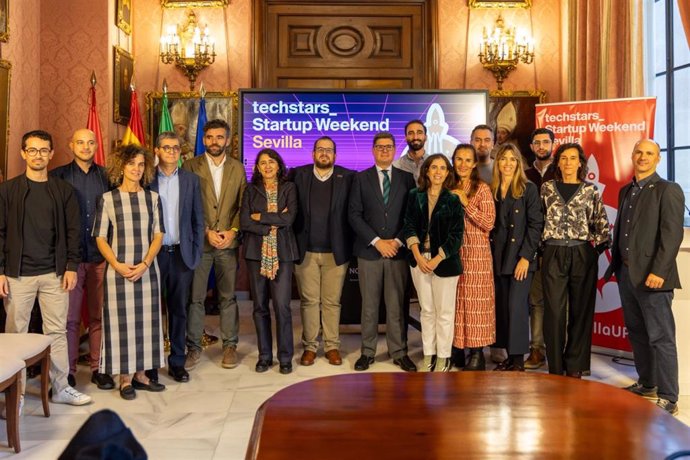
(39, 256)
(222, 181)
(90, 181)
(542, 170)
(324, 240)
(482, 138)
(415, 136)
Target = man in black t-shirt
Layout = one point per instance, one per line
(39, 255)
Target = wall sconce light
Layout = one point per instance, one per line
(189, 47)
(502, 50)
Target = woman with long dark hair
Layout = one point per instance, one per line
(475, 323)
(129, 233)
(515, 241)
(269, 207)
(433, 232)
(576, 231)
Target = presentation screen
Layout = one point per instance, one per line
(290, 121)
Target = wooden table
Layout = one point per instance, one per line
(485, 415)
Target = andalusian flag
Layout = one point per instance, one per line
(166, 124)
(199, 148)
(135, 128)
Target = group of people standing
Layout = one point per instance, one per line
(488, 244)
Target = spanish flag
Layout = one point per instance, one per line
(135, 129)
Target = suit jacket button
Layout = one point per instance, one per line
(512, 240)
(517, 210)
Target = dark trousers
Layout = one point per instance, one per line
(652, 333)
(176, 282)
(388, 277)
(280, 291)
(512, 313)
(569, 278)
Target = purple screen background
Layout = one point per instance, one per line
(448, 115)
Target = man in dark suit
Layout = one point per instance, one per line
(324, 239)
(648, 233)
(90, 181)
(183, 213)
(377, 208)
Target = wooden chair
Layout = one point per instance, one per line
(32, 349)
(10, 374)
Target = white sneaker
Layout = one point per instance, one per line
(3, 415)
(71, 396)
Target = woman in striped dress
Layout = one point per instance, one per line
(129, 232)
(475, 322)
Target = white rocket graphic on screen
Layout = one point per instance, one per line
(437, 138)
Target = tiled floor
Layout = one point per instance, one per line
(211, 417)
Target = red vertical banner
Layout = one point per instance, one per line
(607, 130)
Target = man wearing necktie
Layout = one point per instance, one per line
(377, 206)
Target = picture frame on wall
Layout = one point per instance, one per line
(500, 4)
(5, 73)
(512, 117)
(123, 17)
(193, 3)
(123, 70)
(184, 112)
(4, 20)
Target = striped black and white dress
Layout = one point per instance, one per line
(132, 338)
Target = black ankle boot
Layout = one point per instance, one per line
(477, 362)
(457, 357)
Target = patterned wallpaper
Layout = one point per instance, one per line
(230, 27)
(23, 51)
(74, 42)
(460, 28)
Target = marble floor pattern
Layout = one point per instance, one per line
(211, 416)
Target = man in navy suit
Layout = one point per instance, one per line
(647, 237)
(183, 213)
(324, 240)
(377, 208)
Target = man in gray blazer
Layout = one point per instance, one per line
(376, 211)
(647, 236)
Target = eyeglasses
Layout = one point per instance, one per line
(384, 148)
(328, 151)
(538, 143)
(168, 148)
(32, 152)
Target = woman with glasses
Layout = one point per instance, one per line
(433, 232)
(269, 208)
(475, 321)
(514, 241)
(576, 232)
(129, 232)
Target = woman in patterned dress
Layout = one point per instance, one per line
(475, 324)
(515, 240)
(576, 232)
(269, 207)
(129, 232)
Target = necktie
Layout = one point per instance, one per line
(386, 186)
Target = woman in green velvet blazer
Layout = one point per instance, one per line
(433, 229)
